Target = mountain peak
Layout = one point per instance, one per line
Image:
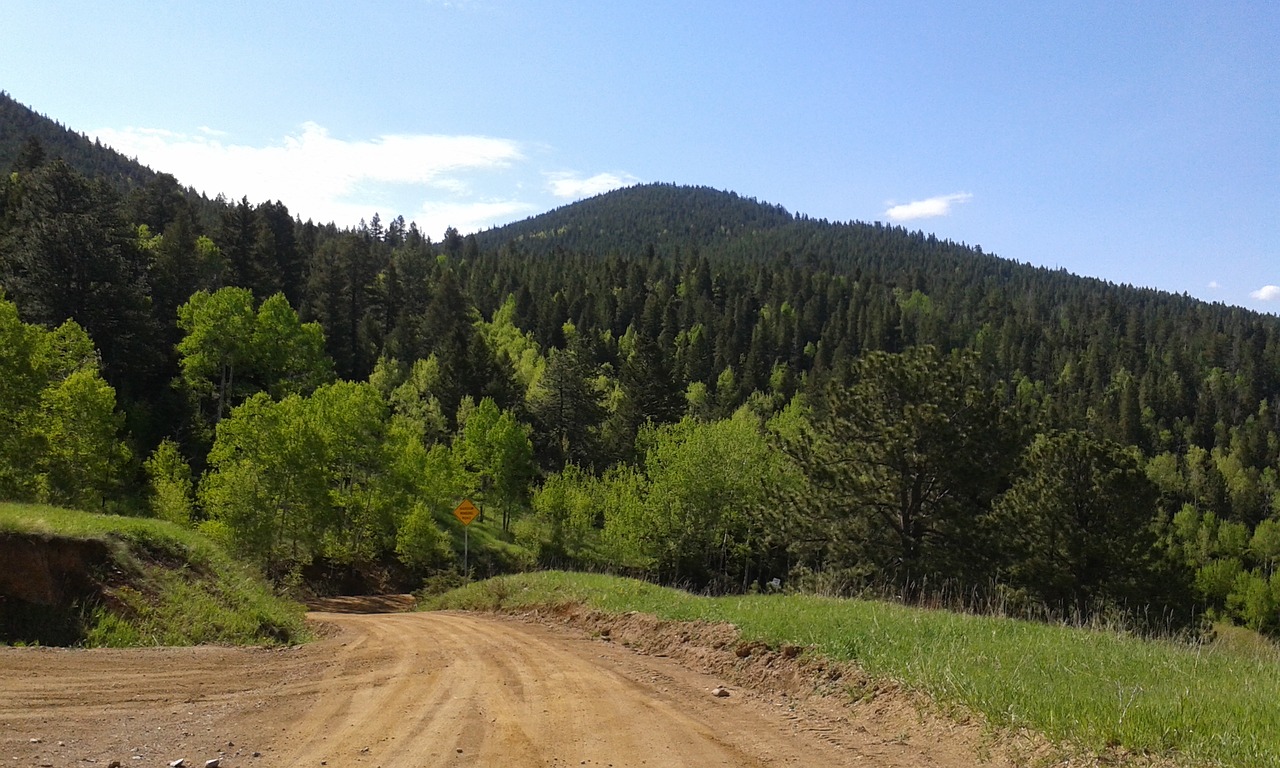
(642, 215)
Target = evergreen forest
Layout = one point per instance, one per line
(672, 382)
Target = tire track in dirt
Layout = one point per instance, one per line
(492, 695)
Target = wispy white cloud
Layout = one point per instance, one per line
(926, 209)
(572, 186)
(1267, 293)
(325, 178)
(435, 217)
(1214, 285)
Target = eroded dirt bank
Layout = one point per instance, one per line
(437, 689)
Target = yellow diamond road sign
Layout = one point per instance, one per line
(466, 512)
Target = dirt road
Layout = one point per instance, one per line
(412, 689)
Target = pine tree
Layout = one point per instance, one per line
(68, 255)
(568, 409)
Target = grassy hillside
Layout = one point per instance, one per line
(76, 578)
(1208, 704)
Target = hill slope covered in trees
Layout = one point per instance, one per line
(23, 132)
(652, 380)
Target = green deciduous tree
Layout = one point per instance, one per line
(711, 501)
(414, 399)
(172, 490)
(420, 543)
(306, 476)
(426, 482)
(231, 349)
(80, 427)
(1254, 601)
(23, 374)
(562, 526)
(331, 475)
(217, 345)
(498, 455)
(1264, 545)
(59, 428)
(517, 347)
(351, 420)
(288, 355)
(266, 482)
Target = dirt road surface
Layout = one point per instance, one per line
(415, 689)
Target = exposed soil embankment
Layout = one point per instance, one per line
(76, 578)
(48, 585)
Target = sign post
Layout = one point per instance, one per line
(466, 512)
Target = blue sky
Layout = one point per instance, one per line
(1136, 142)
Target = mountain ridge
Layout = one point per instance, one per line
(626, 221)
(614, 223)
(20, 123)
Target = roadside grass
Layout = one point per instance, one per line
(173, 587)
(1206, 704)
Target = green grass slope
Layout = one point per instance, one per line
(75, 578)
(1210, 704)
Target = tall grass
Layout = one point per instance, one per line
(176, 587)
(1204, 704)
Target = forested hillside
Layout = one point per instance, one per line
(671, 381)
(28, 138)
